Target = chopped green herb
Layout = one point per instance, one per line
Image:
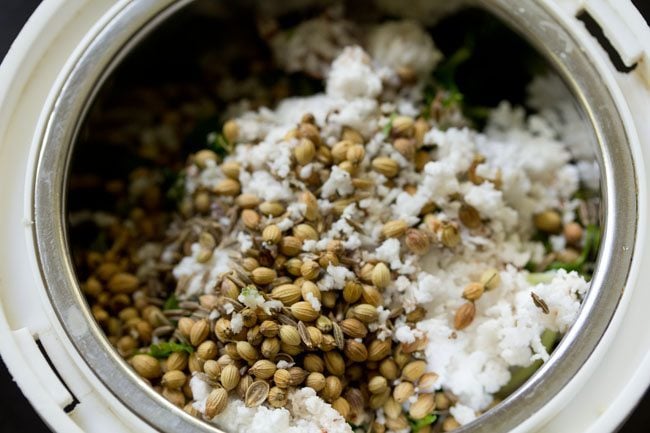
(176, 190)
(249, 290)
(218, 144)
(427, 420)
(535, 278)
(163, 350)
(592, 242)
(519, 375)
(171, 303)
(389, 126)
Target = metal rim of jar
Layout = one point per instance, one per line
(130, 24)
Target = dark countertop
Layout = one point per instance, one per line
(16, 415)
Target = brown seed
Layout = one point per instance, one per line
(386, 166)
(573, 233)
(304, 152)
(290, 335)
(378, 400)
(353, 328)
(278, 397)
(194, 363)
(548, 221)
(315, 335)
(290, 246)
(288, 294)
(355, 351)
(212, 369)
(339, 339)
(307, 288)
(228, 187)
(307, 130)
(272, 234)
(313, 363)
(490, 279)
(293, 266)
(392, 409)
(257, 393)
(123, 282)
(340, 151)
(450, 236)
(270, 347)
(417, 241)
(216, 402)
(403, 126)
(244, 384)
(377, 385)
(394, 229)
(230, 131)
(202, 202)
(272, 208)
(247, 201)
(427, 382)
(406, 147)
(464, 315)
(250, 264)
(355, 154)
(423, 406)
(305, 232)
(263, 275)
(378, 350)
(381, 275)
(207, 350)
(263, 369)
(269, 328)
(352, 291)
(328, 343)
(334, 362)
(316, 381)
(312, 212)
(421, 127)
(469, 216)
(324, 324)
(250, 218)
(199, 332)
(403, 391)
(147, 366)
(230, 377)
(231, 169)
(352, 135)
(473, 291)
(202, 157)
(449, 424)
(366, 313)
(414, 370)
(247, 352)
(177, 361)
(298, 375)
(333, 388)
(371, 295)
(310, 269)
(388, 368)
(342, 406)
(539, 303)
(282, 378)
(304, 311)
(173, 379)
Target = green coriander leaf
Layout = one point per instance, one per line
(163, 350)
(416, 425)
(171, 303)
(389, 126)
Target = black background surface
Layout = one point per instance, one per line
(16, 415)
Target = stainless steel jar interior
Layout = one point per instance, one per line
(134, 20)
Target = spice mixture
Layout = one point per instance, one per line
(360, 259)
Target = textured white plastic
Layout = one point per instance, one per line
(626, 29)
(596, 401)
